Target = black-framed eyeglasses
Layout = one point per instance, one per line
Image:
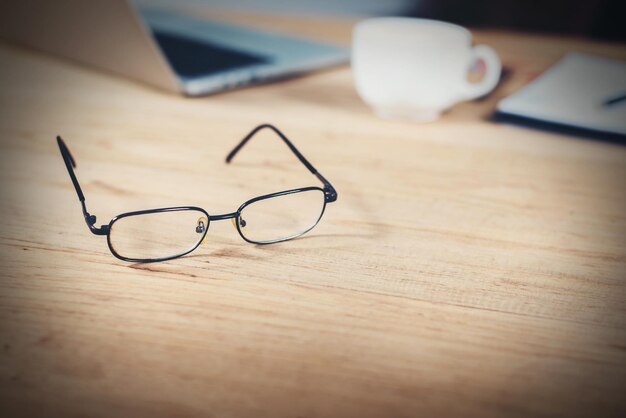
(166, 233)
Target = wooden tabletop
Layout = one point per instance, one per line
(469, 268)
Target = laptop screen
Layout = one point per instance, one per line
(191, 58)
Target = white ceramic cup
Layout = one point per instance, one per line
(407, 68)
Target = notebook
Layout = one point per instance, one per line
(580, 91)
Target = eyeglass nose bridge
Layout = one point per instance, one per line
(233, 216)
(202, 225)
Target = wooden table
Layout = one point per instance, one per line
(469, 268)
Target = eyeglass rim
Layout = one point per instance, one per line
(149, 211)
(237, 217)
(278, 194)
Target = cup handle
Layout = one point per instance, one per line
(492, 74)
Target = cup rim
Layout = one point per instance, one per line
(419, 20)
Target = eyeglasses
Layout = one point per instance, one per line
(167, 233)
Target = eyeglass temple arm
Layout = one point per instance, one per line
(329, 190)
(71, 164)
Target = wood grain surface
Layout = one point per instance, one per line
(468, 269)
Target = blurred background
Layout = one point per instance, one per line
(602, 19)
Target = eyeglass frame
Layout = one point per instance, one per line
(329, 193)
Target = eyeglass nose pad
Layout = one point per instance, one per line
(201, 226)
(242, 223)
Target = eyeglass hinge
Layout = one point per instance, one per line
(91, 220)
(103, 230)
(330, 194)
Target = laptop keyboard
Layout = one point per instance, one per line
(191, 58)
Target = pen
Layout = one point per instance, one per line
(613, 100)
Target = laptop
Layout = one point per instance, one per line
(166, 49)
